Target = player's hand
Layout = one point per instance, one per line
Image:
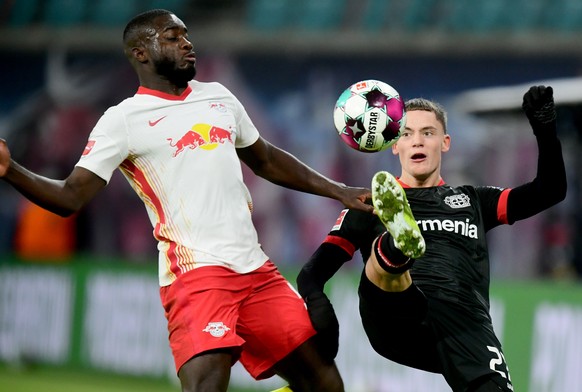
(4, 158)
(538, 105)
(325, 323)
(357, 198)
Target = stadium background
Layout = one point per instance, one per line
(62, 65)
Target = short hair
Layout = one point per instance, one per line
(141, 21)
(429, 106)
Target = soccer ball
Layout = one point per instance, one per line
(369, 116)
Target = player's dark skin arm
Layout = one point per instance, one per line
(282, 168)
(62, 197)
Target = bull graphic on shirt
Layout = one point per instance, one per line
(201, 135)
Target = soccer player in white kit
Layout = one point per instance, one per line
(179, 143)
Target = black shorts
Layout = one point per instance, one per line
(432, 335)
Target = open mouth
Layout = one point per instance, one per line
(418, 157)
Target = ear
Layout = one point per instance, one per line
(446, 143)
(139, 54)
(395, 148)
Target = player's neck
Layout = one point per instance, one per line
(167, 89)
(163, 84)
(434, 179)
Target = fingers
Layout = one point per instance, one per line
(367, 208)
(362, 200)
(548, 91)
(538, 105)
(537, 96)
(546, 94)
(4, 158)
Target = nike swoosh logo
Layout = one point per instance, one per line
(154, 123)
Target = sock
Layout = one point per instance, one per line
(396, 262)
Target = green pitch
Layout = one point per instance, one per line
(59, 380)
(66, 380)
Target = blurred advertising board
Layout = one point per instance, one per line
(108, 317)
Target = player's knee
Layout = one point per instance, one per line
(306, 371)
(209, 371)
(324, 380)
(409, 305)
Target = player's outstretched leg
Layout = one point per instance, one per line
(391, 206)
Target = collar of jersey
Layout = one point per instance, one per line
(160, 94)
(441, 182)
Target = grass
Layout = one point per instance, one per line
(61, 380)
(48, 379)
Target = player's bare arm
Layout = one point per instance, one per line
(62, 197)
(282, 168)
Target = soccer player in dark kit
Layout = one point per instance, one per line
(424, 291)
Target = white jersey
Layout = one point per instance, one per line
(178, 154)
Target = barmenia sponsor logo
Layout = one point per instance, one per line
(454, 226)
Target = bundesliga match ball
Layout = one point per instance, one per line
(369, 116)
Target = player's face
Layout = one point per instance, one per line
(170, 51)
(419, 148)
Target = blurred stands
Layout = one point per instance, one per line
(68, 13)
(540, 26)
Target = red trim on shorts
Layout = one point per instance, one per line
(342, 243)
(502, 207)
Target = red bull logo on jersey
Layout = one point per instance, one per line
(205, 136)
(216, 329)
(217, 106)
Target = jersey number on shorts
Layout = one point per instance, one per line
(496, 362)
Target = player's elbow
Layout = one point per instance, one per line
(560, 189)
(556, 197)
(67, 205)
(563, 191)
(561, 184)
(561, 195)
(65, 211)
